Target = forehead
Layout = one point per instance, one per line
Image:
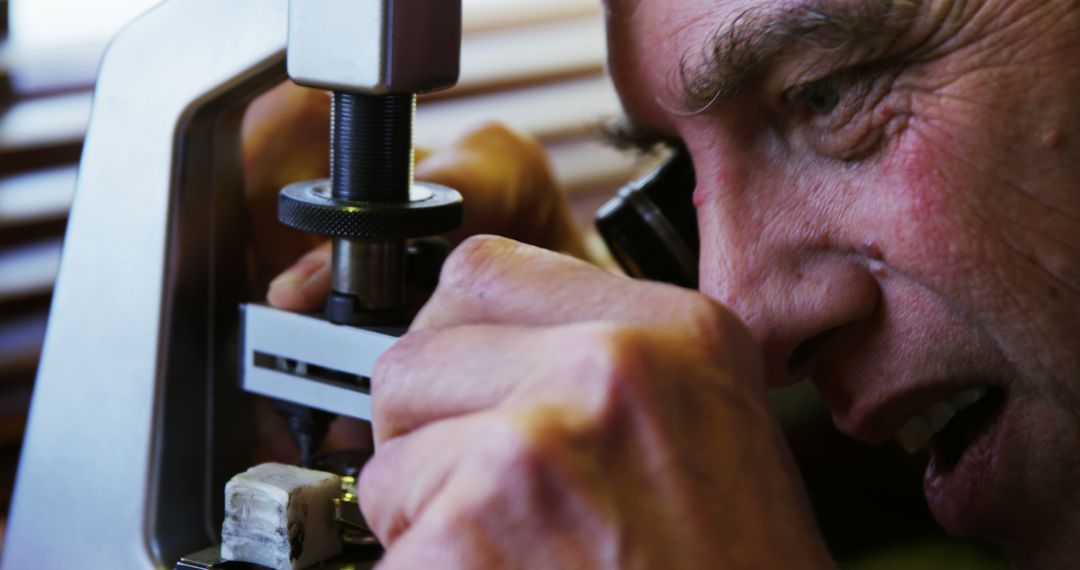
(649, 39)
(658, 48)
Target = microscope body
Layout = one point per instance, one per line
(139, 413)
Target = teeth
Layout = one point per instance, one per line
(917, 432)
(968, 397)
(938, 415)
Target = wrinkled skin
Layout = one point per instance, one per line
(946, 256)
(617, 424)
(915, 239)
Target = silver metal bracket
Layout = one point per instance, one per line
(375, 46)
(310, 361)
(137, 398)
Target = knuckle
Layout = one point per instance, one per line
(718, 338)
(518, 155)
(716, 329)
(476, 261)
(499, 137)
(391, 361)
(371, 487)
(615, 360)
(734, 348)
(519, 455)
(387, 366)
(387, 397)
(445, 522)
(518, 446)
(711, 319)
(522, 443)
(487, 131)
(443, 518)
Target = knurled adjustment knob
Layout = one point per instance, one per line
(309, 206)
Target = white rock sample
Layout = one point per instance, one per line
(280, 516)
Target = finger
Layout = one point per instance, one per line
(503, 175)
(420, 154)
(284, 134)
(439, 374)
(427, 457)
(478, 477)
(305, 285)
(486, 364)
(494, 280)
(435, 375)
(508, 186)
(457, 465)
(429, 547)
(284, 140)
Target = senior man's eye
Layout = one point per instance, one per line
(836, 115)
(819, 97)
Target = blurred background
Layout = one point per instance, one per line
(536, 65)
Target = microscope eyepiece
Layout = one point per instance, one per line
(650, 226)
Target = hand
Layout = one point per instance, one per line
(507, 184)
(285, 134)
(543, 413)
(504, 177)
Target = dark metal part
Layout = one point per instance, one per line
(4, 11)
(371, 169)
(346, 463)
(370, 207)
(354, 557)
(650, 226)
(310, 207)
(210, 559)
(307, 426)
(354, 529)
(345, 309)
(371, 152)
(424, 261)
(383, 260)
(347, 514)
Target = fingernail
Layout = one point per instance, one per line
(283, 291)
(287, 279)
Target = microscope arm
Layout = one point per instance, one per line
(138, 335)
(137, 418)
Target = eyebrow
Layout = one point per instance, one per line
(739, 51)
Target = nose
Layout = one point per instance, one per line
(807, 297)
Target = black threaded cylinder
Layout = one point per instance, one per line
(371, 157)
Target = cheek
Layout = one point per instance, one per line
(952, 224)
(928, 209)
(922, 200)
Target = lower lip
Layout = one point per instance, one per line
(961, 498)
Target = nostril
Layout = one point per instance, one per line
(804, 358)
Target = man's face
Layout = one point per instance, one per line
(889, 196)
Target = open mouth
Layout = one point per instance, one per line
(948, 427)
(949, 445)
(963, 434)
(962, 477)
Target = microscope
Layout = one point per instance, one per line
(141, 409)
